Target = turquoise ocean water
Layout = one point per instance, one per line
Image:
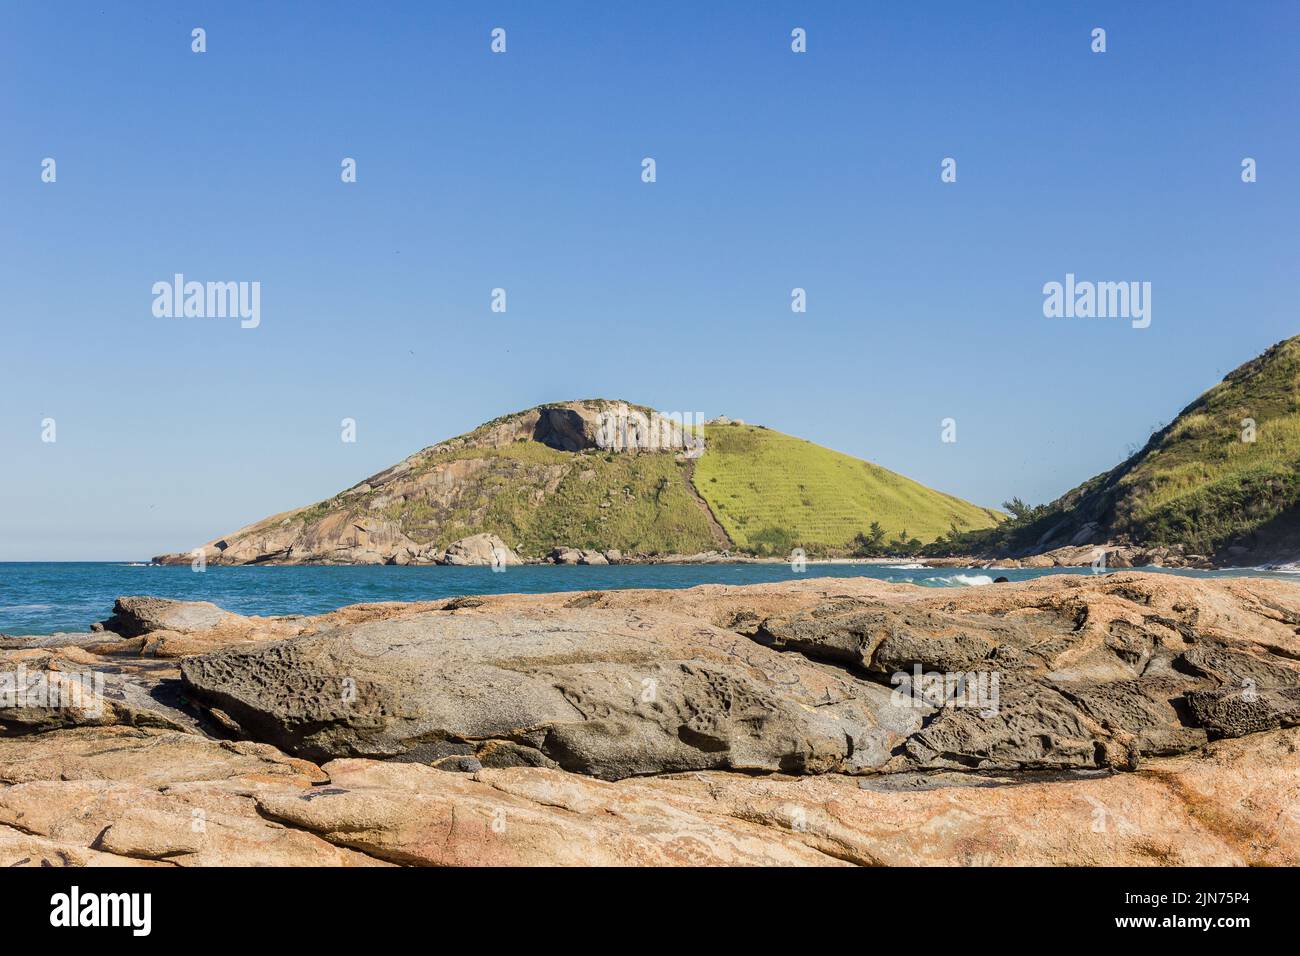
(41, 598)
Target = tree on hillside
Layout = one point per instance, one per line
(868, 544)
(1017, 508)
(899, 545)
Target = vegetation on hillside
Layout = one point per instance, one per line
(535, 497)
(1223, 473)
(773, 492)
(1019, 533)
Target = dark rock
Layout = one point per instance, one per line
(607, 693)
(1237, 711)
(134, 616)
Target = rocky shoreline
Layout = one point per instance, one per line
(1127, 718)
(483, 550)
(1106, 556)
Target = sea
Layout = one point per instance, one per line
(46, 597)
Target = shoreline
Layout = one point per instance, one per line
(46, 598)
(929, 563)
(487, 549)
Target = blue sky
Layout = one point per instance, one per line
(522, 171)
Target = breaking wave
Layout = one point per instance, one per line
(961, 580)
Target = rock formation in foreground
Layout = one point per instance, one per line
(1129, 718)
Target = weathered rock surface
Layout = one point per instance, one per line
(114, 796)
(91, 796)
(1062, 673)
(134, 616)
(1237, 803)
(49, 688)
(480, 550)
(105, 679)
(1092, 671)
(1138, 719)
(1106, 555)
(609, 693)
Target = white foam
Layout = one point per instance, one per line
(964, 580)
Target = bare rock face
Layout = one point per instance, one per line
(480, 550)
(1070, 673)
(606, 425)
(607, 693)
(133, 616)
(1092, 671)
(115, 796)
(338, 537)
(1237, 803)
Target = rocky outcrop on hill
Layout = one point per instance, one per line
(1118, 719)
(480, 550)
(592, 425)
(1108, 556)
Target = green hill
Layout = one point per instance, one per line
(1208, 481)
(548, 477)
(772, 491)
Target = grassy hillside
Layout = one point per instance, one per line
(536, 497)
(772, 491)
(1198, 482)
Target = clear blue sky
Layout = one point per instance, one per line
(522, 171)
